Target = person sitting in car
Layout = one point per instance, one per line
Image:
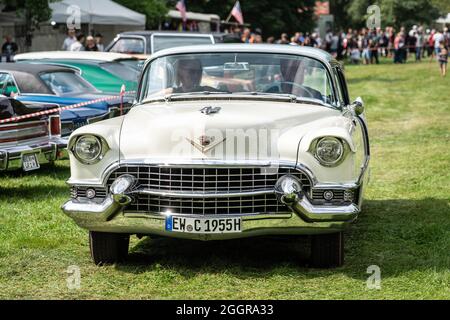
(292, 78)
(189, 76)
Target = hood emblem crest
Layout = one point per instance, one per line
(210, 110)
(205, 140)
(205, 143)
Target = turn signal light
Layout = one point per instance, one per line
(55, 125)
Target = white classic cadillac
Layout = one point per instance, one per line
(223, 142)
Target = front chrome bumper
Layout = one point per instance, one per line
(46, 151)
(305, 218)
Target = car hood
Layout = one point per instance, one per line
(240, 130)
(82, 113)
(97, 108)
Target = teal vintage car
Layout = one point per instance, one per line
(106, 71)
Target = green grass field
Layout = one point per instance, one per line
(404, 228)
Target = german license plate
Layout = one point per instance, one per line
(203, 225)
(30, 162)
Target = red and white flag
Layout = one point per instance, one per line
(236, 12)
(181, 6)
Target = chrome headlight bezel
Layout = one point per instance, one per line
(103, 148)
(344, 148)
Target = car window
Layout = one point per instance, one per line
(237, 73)
(7, 85)
(122, 71)
(340, 94)
(343, 86)
(133, 63)
(128, 45)
(64, 83)
(161, 42)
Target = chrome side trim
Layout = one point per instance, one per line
(367, 150)
(336, 186)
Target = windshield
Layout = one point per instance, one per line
(161, 42)
(237, 73)
(128, 45)
(63, 83)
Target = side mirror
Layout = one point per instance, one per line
(358, 106)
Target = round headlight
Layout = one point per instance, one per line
(329, 151)
(88, 149)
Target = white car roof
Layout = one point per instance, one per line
(73, 55)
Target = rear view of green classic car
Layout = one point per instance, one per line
(225, 142)
(107, 72)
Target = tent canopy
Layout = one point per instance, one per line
(444, 19)
(105, 12)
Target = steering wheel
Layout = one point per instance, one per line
(304, 88)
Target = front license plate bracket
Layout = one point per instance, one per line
(203, 225)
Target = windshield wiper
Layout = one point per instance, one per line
(291, 97)
(169, 97)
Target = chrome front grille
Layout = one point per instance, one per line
(207, 180)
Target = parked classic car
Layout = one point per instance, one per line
(225, 141)
(149, 42)
(26, 144)
(60, 86)
(106, 71)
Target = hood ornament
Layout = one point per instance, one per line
(205, 143)
(210, 110)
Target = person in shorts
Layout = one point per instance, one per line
(443, 58)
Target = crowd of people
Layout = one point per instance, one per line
(79, 42)
(367, 46)
(358, 46)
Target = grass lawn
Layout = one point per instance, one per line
(404, 228)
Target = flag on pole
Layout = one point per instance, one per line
(236, 12)
(181, 6)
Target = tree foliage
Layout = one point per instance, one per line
(34, 11)
(272, 17)
(353, 13)
(154, 10)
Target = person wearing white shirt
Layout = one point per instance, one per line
(438, 37)
(71, 39)
(79, 44)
